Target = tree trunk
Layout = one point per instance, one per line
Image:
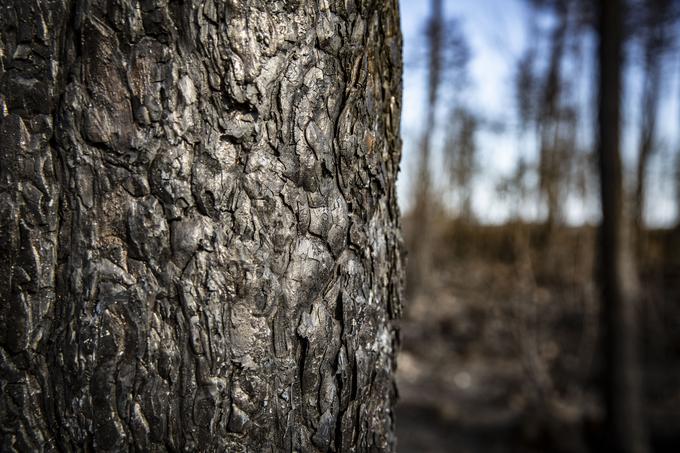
(200, 244)
(551, 166)
(621, 387)
(420, 249)
(647, 142)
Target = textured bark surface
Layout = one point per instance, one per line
(200, 244)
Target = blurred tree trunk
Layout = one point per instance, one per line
(677, 169)
(645, 147)
(461, 149)
(419, 237)
(621, 386)
(655, 43)
(551, 164)
(199, 235)
(677, 189)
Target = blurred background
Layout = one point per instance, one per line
(502, 335)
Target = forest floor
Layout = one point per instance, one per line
(498, 353)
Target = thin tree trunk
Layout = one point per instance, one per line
(621, 386)
(677, 189)
(199, 236)
(419, 237)
(652, 85)
(550, 164)
(677, 166)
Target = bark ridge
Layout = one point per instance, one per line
(199, 236)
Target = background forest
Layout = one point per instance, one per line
(503, 326)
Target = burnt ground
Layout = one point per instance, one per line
(499, 352)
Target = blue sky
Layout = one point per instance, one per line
(496, 31)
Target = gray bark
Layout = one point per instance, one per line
(200, 244)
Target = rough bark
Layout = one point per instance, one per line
(621, 386)
(200, 244)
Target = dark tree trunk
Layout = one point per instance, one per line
(200, 245)
(621, 387)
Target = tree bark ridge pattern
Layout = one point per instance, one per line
(200, 245)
